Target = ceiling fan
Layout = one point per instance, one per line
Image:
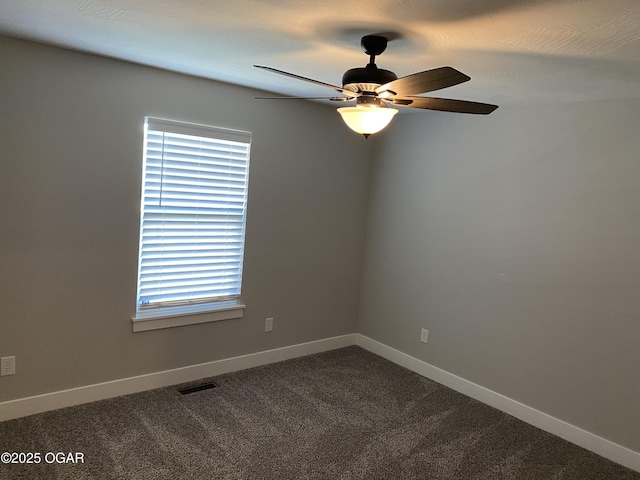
(375, 89)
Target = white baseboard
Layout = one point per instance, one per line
(555, 426)
(90, 393)
(75, 396)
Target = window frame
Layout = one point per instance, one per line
(196, 312)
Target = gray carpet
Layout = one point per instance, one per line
(345, 414)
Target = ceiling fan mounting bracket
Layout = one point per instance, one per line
(373, 44)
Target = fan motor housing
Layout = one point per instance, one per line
(368, 75)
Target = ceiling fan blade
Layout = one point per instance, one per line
(349, 93)
(333, 99)
(423, 82)
(445, 105)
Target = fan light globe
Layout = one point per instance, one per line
(367, 120)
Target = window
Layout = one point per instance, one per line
(194, 198)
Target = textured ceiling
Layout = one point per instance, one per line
(516, 51)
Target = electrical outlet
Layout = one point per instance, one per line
(7, 366)
(268, 324)
(424, 336)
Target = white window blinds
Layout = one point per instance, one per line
(194, 199)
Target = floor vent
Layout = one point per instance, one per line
(197, 388)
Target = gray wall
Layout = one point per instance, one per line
(512, 238)
(70, 173)
(515, 240)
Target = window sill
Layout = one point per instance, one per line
(187, 315)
